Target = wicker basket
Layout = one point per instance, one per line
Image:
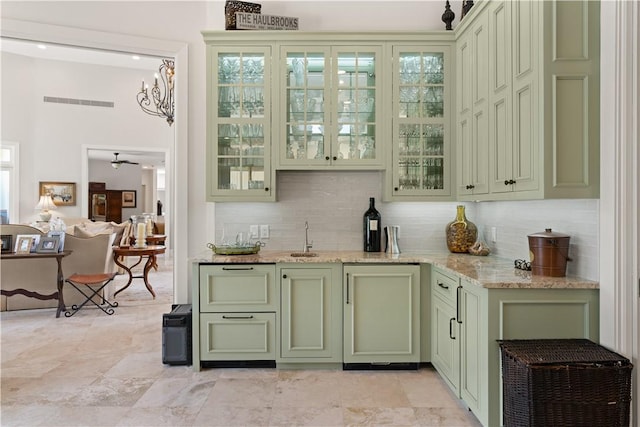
(564, 382)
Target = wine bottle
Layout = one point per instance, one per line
(372, 227)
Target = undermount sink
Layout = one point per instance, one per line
(304, 254)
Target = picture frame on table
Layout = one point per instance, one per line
(48, 245)
(35, 239)
(7, 243)
(60, 234)
(62, 193)
(23, 244)
(129, 198)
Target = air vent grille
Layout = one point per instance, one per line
(73, 101)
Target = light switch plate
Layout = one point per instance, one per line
(255, 231)
(264, 231)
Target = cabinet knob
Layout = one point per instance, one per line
(327, 158)
(266, 188)
(513, 181)
(395, 188)
(470, 187)
(335, 158)
(284, 276)
(506, 182)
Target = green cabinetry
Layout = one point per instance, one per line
(381, 313)
(422, 84)
(310, 321)
(468, 320)
(239, 123)
(330, 100)
(234, 312)
(543, 98)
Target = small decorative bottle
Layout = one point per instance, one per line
(461, 233)
(372, 228)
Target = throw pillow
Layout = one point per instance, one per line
(119, 230)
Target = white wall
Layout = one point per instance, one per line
(51, 134)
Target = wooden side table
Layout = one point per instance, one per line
(149, 252)
(60, 278)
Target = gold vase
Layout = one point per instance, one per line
(461, 233)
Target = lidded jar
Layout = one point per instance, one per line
(549, 253)
(461, 233)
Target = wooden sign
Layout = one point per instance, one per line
(256, 21)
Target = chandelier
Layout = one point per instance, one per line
(162, 96)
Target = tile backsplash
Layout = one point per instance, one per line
(333, 204)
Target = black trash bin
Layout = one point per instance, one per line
(176, 335)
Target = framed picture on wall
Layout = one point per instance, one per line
(128, 198)
(62, 193)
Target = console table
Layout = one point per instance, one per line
(60, 279)
(149, 252)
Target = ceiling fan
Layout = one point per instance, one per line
(116, 163)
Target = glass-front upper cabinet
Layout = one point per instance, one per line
(330, 107)
(421, 122)
(239, 120)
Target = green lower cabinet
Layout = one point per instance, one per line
(310, 321)
(445, 342)
(237, 336)
(381, 313)
(467, 324)
(472, 301)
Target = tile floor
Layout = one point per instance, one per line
(98, 370)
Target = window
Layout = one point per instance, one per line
(9, 188)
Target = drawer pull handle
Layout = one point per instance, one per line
(442, 285)
(237, 317)
(451, 328)
(237, 268)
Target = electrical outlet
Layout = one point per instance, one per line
(494, 234)
(254, 230)
(264, 231)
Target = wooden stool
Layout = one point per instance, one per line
(88, 280)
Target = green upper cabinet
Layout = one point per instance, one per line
(330, 107)
(239, 124)
(543, 99)
(472, 119)
(421, 166)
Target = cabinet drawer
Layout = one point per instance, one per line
(229, 288)
(444, 285)
(237, 336)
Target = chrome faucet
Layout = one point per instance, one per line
(307, 245)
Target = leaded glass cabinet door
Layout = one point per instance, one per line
(421, 122)
(304, 104)
(329, 107)
(356, 114)
(239, 124)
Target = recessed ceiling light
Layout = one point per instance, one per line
(41, 46)
(135, 57)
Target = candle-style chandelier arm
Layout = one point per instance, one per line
(162, 97)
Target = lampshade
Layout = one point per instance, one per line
(44, 205)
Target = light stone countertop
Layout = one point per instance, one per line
(486, 271)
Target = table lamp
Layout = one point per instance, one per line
(45, 204)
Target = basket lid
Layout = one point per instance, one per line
(560, 351)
